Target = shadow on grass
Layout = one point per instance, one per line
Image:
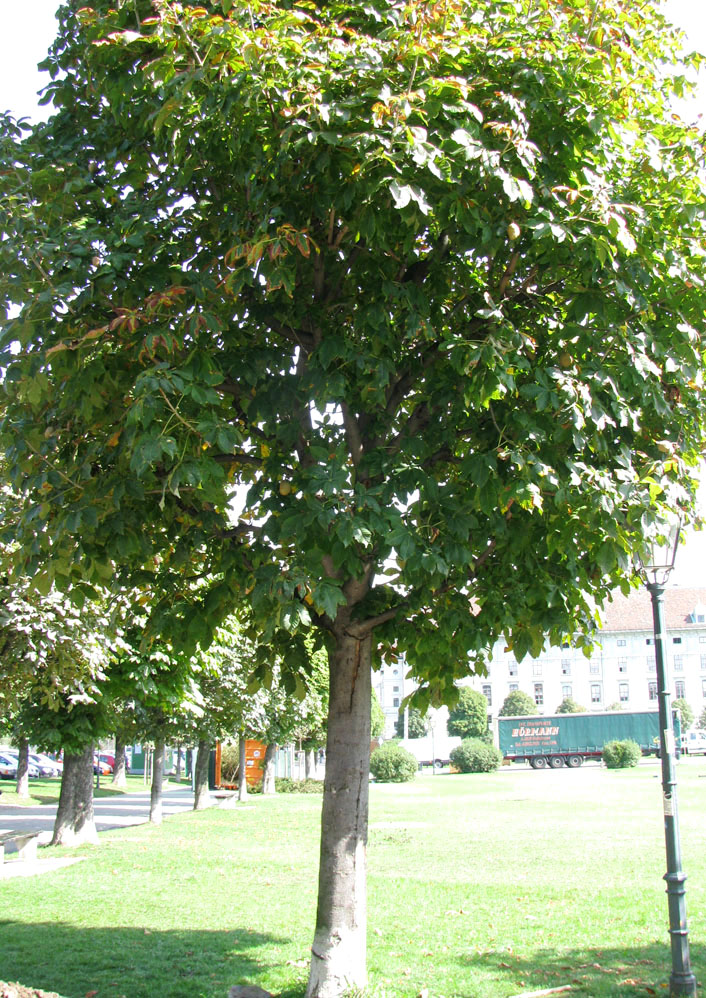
(132, 963)
(600, 973)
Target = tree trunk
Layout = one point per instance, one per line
(202, 798)
(157, 783)
(178, 764)
(310, 764)
(23, 768)
(268, 770)
(242, 769)
(338, 961)
(120, 767)
(74, 823)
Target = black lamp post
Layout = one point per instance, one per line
(655, 571)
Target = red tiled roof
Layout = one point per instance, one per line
(634, 612)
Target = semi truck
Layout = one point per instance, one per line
(431, 749)
(558, 740)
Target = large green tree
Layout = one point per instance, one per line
(468, 718)
(385, 318)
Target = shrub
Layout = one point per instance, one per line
(393, 764)
(476, 756)
(284, 785)
(621, 755)
(469, 717)
(569, 706)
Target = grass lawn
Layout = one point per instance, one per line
(479, 887)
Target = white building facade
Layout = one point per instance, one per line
(620, 672)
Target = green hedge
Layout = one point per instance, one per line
(393, 764)
(621, 755)
(474, 755)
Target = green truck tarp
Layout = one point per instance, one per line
(586, 733)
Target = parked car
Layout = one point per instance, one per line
(45, 765)
(101, 767)
(109, 760)
(8, 767)
(12, 758)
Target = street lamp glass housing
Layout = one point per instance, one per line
(660, 554)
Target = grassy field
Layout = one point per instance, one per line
(479, 887)
(46, 791)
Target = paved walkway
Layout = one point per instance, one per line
(110, 812)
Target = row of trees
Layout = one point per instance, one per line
(382, 323)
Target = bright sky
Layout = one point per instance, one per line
(24, 41)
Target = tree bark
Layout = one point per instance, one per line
(242, 768)
(338, 961)
(23, 768)
(74, 823)
(268, 770)
(120, 767)
(202, 798)
(157, 783)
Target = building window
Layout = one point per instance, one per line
(621, 642)
(596, 693)
(623, 692)
(488, 694)
(680, 689)
(594, 668)
(703, 661)
(676, 641)
(395, 689)
(678, 663)
(395, 701)
(622, 665)
(566, 666)
(652, 691)
(539, 694)
(512, 687)
(651, 664)
(702, 639)
(512, 668)
(565, 692)
(536, 668)
(648, 641)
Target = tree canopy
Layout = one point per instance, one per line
(516, 703)
(468, 718)
(383, 318)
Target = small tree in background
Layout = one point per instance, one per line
(469, 717)
(569, 706)
(417, 724)
(516, 704)
(687, 714)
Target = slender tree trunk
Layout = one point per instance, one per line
(310, 764)
(74, 823)
(120, 767)
(268, 770)
(157, 783)
(202, 798)
(338, 953)
(242, 768)
(178, 764)
(23, 768)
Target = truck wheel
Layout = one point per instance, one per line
(438, 764)
(556, 762)
(574, 761)
(538, 763)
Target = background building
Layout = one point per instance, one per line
(621, 670)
